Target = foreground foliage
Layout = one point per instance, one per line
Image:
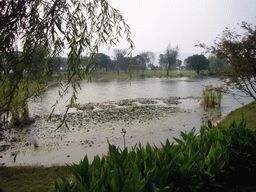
(215, 157)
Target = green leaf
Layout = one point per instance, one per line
(80, 187)
(178, 140)
(128, 186)
(184, 135)
(217, 167)
(167, 144)
(209, 124)
(65, 187)
(140, 185)
(216, 185)
(102, 189)
(96, 162)
(115, 181)
(57, 188)
(76, 174)
(136, 173)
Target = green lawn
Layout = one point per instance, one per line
(248, 112)
(31, 178)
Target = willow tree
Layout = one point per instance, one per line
(33, 32)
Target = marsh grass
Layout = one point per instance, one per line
(212, 96)
(19, 112)
(18, 107)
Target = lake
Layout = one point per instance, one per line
(150, 110)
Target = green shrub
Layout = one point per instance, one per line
(241, 167)
(197, 162)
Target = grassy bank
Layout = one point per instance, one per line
(247, 112)
(31, 178)
(139, 74)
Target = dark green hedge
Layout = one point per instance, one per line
(215, 157)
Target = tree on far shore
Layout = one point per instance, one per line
(168, 60)
(197, 63)
(171, 55)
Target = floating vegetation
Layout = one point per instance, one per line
(126, 102)
(172, 100)
(107, 106)
(127, 114)
(89, 106)
(125, 111)
(146, 101)
(191, 97)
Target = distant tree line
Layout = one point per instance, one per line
(121, 61)
(145, 61)
(168, 61)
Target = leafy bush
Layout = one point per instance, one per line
(241, 167)
(197, 162)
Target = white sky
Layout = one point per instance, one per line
(155, 23)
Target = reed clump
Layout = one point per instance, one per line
(19, 112)
(212, 96)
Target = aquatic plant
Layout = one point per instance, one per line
(124, 132)
(19, 112)
(212, 96)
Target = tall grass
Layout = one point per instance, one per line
(212, 96)
(19, 112)
(18, 107)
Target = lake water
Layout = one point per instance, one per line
(114, 90)
(89, 131)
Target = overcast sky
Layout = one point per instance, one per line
(155, 23)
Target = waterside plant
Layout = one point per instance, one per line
(19, 112)
(212, 96)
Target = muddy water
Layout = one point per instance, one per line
(150, 110)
